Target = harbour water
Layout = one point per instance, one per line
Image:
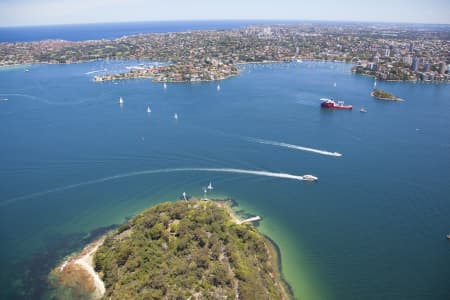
(73, 161)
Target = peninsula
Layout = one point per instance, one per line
(209, 71)
(383, 95)
(193, 249)
(385, 51)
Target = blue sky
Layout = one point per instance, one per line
(43, 12)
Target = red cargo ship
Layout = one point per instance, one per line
(330, 103)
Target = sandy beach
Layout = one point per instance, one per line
(77, 272)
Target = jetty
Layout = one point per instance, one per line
(252, 219)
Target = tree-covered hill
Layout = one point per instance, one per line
(188, 250)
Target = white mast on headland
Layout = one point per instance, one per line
(204, 193)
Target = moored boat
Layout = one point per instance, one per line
(330, 103)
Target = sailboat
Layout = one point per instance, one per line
(218, 87)
(210, 187)
(334, 84)
(375, 83)
(148, 109)
(175, 116)
(165, 85)
(120, 100)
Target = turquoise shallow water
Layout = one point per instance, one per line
(373, 227)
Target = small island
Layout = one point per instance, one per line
(193, 249)
(383, 95)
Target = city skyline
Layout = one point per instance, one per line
(52, 12)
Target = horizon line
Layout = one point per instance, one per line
(229, 20)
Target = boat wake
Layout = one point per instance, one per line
(292, 146)
(135, 68)
(93, 72)
(149, 172)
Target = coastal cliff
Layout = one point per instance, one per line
(183, 250)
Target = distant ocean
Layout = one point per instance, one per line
(83, 32)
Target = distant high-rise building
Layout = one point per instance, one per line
(442, 68)
(267, 30)
(387, 52)
(372, 66)
(407, 60)
(426, 67)
(411, 47)
(415, 64)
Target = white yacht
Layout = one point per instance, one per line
(148, 109)
(120, 100)
(210, 187)
(165, 85)
(175, 116)
(218, 87)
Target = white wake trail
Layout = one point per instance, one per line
(93, 72)
(295, 147)
(157, 171)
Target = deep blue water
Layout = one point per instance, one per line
(83, 32)
(372, 227)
